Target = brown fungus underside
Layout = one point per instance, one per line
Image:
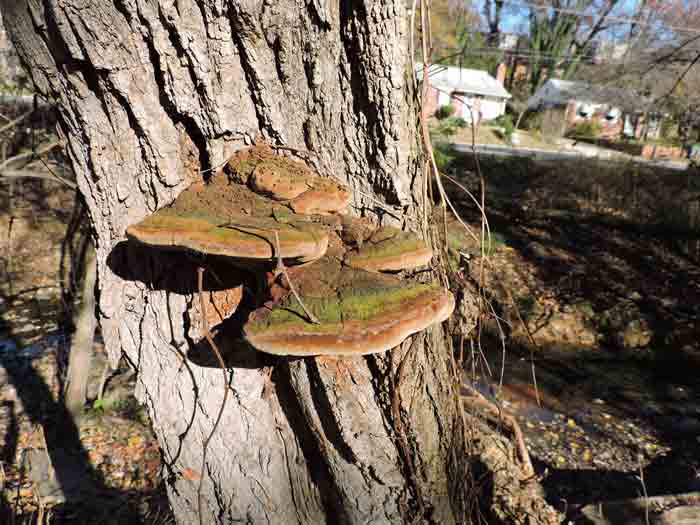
(267, 207)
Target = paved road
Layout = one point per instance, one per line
(579, 151)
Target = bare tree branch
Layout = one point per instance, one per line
(32, 174)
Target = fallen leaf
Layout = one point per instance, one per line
(191, 475)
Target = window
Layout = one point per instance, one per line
(612, 115)
(584, 111)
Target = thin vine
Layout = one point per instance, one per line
(220, 359)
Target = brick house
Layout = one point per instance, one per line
(469, 91)
(619, 112)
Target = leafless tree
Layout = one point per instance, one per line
(493, 11)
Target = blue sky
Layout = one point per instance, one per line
(513, 21)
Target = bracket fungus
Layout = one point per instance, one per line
(358, 312)
(325, 198)
(390, 250)
(240, 237)
(268, 209)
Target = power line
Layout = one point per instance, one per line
(518, 53)
(522, 53)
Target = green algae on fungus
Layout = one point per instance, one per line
(366, 313)
(353, 305)
(237, 236)
(390, 250)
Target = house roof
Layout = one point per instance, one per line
(559, 92)
(474, 81)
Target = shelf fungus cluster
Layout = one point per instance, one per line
(328, 284)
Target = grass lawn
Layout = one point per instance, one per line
(486, 134)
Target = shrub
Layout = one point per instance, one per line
(506, 123)
(444, 112)
(444, 156)
(459, 122)
(588, 129)
(503, 120)
(449, 126)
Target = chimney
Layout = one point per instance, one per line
(501, 73)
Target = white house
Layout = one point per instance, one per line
(470, 91)
(617, 111)
(557, 92)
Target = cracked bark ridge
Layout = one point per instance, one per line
(152, 92)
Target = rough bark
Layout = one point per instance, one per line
(150, 93)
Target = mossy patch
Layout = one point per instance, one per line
(389, 249)
(351, 304)
(400, 244)
(458, 240)
(240, 236)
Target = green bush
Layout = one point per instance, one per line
(444, 155)
(445, 112)
(449, 126)
(588, 129)
(459, 122)
(506, 122)
(503, 121)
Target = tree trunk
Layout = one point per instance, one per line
(153, 93)
(80, 357)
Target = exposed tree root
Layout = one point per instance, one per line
(496, 415)
(503, 496)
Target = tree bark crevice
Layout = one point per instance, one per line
(319, 486)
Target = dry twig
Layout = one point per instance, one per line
(215, 349)
(282, 269)
(396, 380)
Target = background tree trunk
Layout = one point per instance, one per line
(150, 93)
(80, 357)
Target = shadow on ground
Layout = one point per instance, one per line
(40, 443)
(603, 252)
